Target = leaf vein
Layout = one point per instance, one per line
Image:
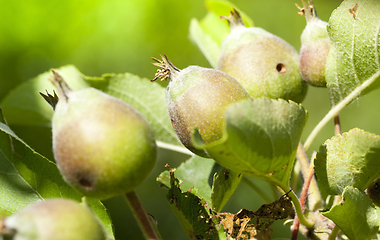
(18, 174)
(352, 54)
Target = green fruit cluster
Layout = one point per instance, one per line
(253, 64)
(265, 64)
(198, 97)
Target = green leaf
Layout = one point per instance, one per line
(350, 159)
(27, 177)
(196, 174)
(223, 8)
(354, 49)
(25, 106)
(261, 139)
(355, 215)
(145, 96)
(208, 46)
(209, 33)
(208, 179)
(225, 184)
(192, 211)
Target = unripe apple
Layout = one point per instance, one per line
(198, 97)
(103, 147)
(315, 47)
(58, 219)
(266, 65)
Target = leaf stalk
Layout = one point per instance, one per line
(297, 206)
(334, 233)
(337, 108)
(145, 222)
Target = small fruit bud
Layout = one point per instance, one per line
(103, 147)
(198, 97)
(266, 65)
(58, 219)
(315, 47)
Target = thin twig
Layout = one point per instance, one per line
(302, 159)
(337, 108)
(296, 175)
(315, 198)
(295, 228)
(304, 221)
(334, 233)
(174, 148)
(146, 225)
(9, 135)
(303, 197)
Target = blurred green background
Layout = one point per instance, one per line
(100, 36)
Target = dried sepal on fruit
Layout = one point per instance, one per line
(265, 64)
(51, 99)
(315, 46)
(198, 97)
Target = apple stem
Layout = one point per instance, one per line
(59, 82)
(338, 107)
(315, 200)
(303, 197)
(234, 20)
(334, 233)
(145, 222)
(297, 206)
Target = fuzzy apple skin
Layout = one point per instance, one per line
(58, 219)
(198, 97)
(313, 62)
(266, 65)
(314, 50)
(315, 46)
(103, 147)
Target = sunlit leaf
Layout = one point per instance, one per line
(209, 33)
(225, 184)
(145, 96)
(195, 173)
(355, 215)
(25, 106)
(27, 177)
(350, 159)
(208, 46)
(261, 139)
(208, 179)
(354, 48)
(224, 7)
